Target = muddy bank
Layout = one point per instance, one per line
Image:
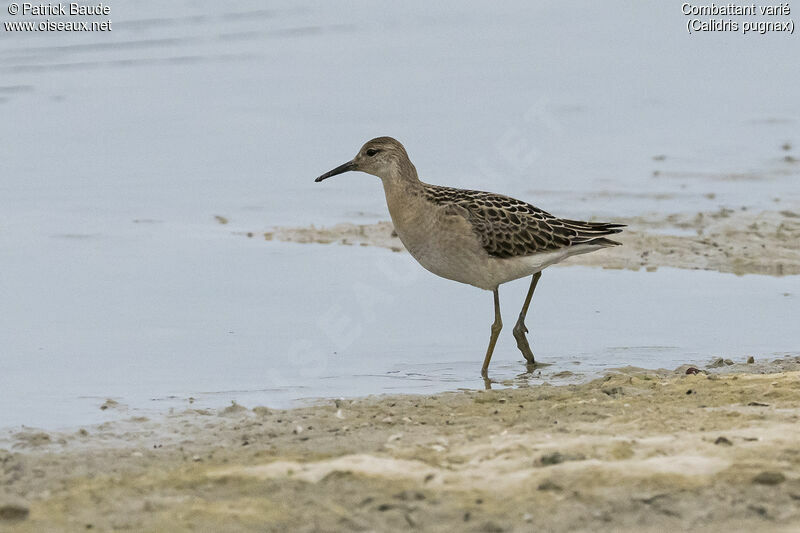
(708, 450)
(740, 242)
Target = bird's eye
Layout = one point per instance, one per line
(371, 152)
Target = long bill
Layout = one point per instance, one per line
(341, 169)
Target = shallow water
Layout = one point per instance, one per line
(585, 109)
(228, 318)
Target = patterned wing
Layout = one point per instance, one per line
(507, 227)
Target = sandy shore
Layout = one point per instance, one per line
(635, 451)
(740, 242)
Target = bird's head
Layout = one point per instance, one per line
(383, 157)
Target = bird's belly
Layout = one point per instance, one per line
(455, 253)
(447, 247)
(457, 267)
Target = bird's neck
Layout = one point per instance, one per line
(404, 197)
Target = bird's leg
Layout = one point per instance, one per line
(496, 327)
(519, 329)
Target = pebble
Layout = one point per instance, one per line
(552, 459)
(549, 485)
(13, 511)
(769, 478)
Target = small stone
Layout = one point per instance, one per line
(552, 459)
(549, 485)
(769, 478)
(728, 362)
(751, 360)
(716, 363)
(13, 512)
(109, 403)
(723, 441)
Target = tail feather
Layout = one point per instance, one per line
(603, 228)
(592, 233)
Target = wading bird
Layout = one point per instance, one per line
(479, 238)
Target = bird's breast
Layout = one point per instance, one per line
(440, 241)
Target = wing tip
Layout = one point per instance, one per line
(604, 242)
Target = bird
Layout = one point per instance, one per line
(483, 239)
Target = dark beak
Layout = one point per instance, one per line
(341, 169)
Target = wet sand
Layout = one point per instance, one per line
(708, 449)
(739, 242)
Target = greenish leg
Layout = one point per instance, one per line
(496, 327)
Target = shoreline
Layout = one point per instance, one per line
(637, 450)
(707, 448)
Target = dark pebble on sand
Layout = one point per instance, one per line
(549, 485)
(769, 478)
(13, 511)
(552, 459)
